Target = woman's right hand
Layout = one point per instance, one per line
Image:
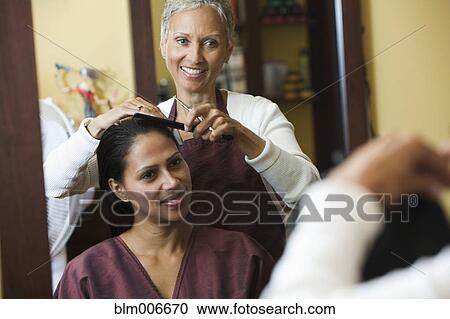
(137, 105)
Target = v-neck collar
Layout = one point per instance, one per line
(181, 271)
(220, 103)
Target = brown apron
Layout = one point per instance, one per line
(228, 193)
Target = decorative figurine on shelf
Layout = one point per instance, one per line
(88, 86)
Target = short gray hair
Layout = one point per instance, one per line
(222, 7)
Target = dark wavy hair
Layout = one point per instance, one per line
(112, 151)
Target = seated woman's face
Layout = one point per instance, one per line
(156, 178)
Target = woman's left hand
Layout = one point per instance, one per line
(223, 125)
(220, 123)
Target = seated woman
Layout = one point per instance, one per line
(158, 254)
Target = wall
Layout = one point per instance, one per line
(410, 81)
(157, 8)
(98, 32)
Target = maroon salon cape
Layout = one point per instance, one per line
(217, 264)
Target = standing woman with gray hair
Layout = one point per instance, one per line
(242, 149)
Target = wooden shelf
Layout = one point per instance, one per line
(285, 21)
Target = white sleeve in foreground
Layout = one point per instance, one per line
(325, 259)
(322, 256)
(428, 277)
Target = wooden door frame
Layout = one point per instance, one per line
(252, 42)
(23, 217)
(144, 56)
(341, 117)
(352, 72)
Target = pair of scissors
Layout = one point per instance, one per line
(188, 109)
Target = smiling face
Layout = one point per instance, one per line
(155, 179)
(195, 50)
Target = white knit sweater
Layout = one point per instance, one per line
(72, 167)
